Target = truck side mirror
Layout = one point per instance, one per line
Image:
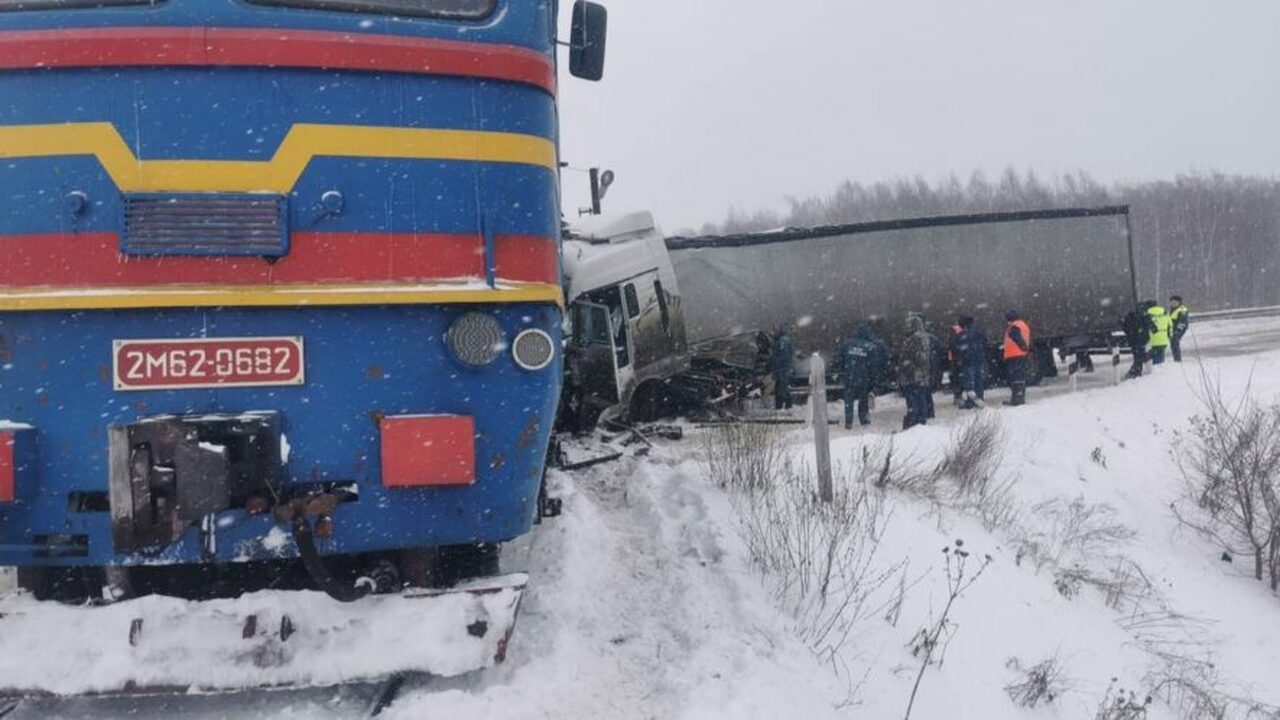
(587, 40)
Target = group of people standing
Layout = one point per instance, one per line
(968, 354)
(1150, 330)
(863, 361)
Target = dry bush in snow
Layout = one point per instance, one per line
(971, 462)
(994, 504)
(1124, 585)
(972, 458)
(1230, 460)
(1072, 534)
(818, 557)
(1194, 689)
(1121, 704)
(1041, 683)
(965, 479)
(881, 466)
(743, 455)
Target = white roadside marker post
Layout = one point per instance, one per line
(1115, 363)
(821, 432)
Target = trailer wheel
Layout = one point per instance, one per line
(1041, 365)
(1048, 365)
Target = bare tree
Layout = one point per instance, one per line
(1231, 463)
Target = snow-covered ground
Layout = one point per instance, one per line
(646, 605)
(643, 602)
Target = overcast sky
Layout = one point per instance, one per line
(708, 104)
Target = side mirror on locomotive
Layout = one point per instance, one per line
(587, 40)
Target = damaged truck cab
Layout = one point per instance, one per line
(626, 336)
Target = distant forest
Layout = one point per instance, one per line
(1213, 238)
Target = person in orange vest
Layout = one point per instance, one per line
(1017, 355)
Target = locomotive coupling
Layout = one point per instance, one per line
(168, 473)
(319, 506)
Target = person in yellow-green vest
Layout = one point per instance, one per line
(1160, 325)
(1180, 320)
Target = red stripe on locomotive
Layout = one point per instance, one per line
(519, 260)
(255, 47)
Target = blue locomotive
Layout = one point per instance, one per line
(279, 279)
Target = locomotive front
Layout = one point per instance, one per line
(273, 274)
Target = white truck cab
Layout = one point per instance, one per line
(626, 333)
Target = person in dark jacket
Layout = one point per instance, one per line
(1017, 356)
(1137, 332)
(915, 372)
(937, 363)
(1180, 316)
(859, 363)
(971, 357)
(781, 367)
(953, 357)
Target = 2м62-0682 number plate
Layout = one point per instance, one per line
(218, 362)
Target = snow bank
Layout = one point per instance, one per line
(1108, 447)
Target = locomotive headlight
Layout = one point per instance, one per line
(533, 349)
(476, 339)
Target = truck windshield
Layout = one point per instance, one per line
(590, 324)
(456, 9)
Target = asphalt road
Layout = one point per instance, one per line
(1232, 338)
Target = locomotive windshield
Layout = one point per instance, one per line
(460, 9)
(67, 4)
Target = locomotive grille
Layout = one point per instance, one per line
(204, 225)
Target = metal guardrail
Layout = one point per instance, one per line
(1237, 313)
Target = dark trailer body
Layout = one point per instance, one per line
(1068, 271)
